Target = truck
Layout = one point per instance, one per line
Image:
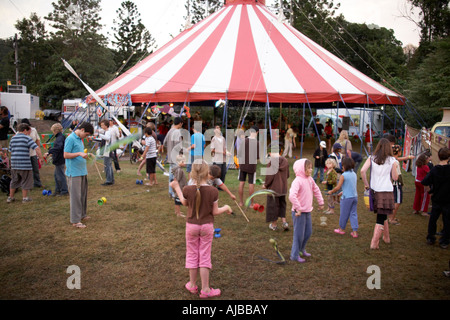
(443, 127)
(20, 105)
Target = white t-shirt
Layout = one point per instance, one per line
(380, 176)
(151, 143)
(218, 144)
(35, 136)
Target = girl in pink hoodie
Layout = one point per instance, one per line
(301, 194)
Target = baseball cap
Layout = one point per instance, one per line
(337, 146)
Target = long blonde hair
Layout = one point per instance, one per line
(343, 136)
(199, 173)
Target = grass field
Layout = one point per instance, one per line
(133, 248)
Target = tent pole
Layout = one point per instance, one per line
(302, 132)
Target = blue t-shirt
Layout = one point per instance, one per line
(75, 167)
(349, 185)
(199, 140)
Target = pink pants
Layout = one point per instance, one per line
(198, 245)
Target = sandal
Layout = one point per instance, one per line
(394, 221)
(211, 294)
(79, 225)
(193, 290)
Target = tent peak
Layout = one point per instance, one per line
(227, 2)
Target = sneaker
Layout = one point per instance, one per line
(298, 259)
(285, 226)
(271, 227)
(354, 234)
(27, 199)
(211, 294)
(9, 200)
(443, 245)
(339, 231)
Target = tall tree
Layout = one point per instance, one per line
(33, 52)
(200, 9)
(77, 40)
(435, 19)
(132, 40)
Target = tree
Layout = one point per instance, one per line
(429, 85)
(76, 39)
(435, 19)
(200, 9)
(132, 40)
(33, 52)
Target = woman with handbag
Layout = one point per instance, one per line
(382, 167)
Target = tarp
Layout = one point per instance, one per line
(242, 52)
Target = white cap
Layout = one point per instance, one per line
(323, 144)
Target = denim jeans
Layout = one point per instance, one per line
(107, 161)
(316, 171)
(60, 180)
(302, 233)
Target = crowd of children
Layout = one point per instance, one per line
(198, 189)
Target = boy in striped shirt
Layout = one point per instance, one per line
(21, 167)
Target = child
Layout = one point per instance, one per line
(57, 152)
(349, 199)
(202, 202)
(421, 198)
(320, 156)
(439, 179)
(337, 156)
(331, 182)
(150, 156)
(180, 177)
(301, 194)
(215, 172)
(276, 180)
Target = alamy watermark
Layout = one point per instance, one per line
(256, 150)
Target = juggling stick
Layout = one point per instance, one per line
(95, 163)
(275, 246)
(257, 193)
(241, 211)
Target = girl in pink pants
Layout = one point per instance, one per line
(202, 202)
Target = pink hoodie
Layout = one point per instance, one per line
(303, 189)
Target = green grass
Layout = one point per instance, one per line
(133, 248)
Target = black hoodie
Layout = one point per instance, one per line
(439, 181)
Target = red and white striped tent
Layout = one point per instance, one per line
(242, 52)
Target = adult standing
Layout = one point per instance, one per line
(34, 159)
(318, 131)
(76, 173)
(328, 134)
(106, 136)
(115, 136)
(197, 145)
(288, 141)
(383, 166)
(171, 141)
(21, 168)
(57, 152)
(248, 155)
(219, 151)
(4, 127)
(346, 144)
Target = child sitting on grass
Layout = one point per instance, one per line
(214, 176)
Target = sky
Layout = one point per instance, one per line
(164, 18)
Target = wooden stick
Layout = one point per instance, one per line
(241, 211)
(95, 162)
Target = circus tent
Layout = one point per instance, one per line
(243, 52)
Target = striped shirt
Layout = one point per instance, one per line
(20, 146)
(151, 144)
